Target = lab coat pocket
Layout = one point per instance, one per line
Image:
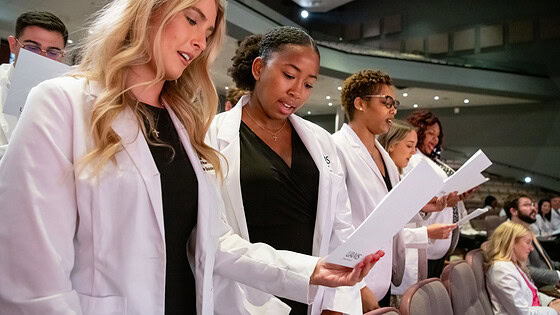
(107, 305)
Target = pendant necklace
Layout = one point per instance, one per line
(274, 134)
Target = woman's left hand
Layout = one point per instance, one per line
(332, 275)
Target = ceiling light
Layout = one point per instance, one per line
(328, 97)
(340, 38)
(339, 88)
(466, 101)
(90, 31)
(436, 97)
(70, 41)
(330, 104)
(227, 88)
(415, 105)
(304, 14)
(528, 179)
(308, 112)
(405, 94)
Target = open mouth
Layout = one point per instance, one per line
(186, 57)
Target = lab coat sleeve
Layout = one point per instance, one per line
(510, 294)
(38, 209)
(416, 237)
(343, 299)
(278, 272)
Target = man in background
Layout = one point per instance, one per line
(39, 32)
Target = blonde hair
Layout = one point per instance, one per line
(118, 39)
(500, 247)
(399, 130)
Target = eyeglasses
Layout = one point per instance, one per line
(51, 53)
(389, 100)
(532, 204)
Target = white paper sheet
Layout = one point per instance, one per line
(467, 175)
(31, 69)
(393, 212)
(472, 215)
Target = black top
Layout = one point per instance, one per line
(179, 188)
(386, 178)
(280, 202)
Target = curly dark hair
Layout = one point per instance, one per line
(234, 94)
(263, 46)
(359, 84)
(42, 19)
(422, 119)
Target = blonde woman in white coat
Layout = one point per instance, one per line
(284, 185)
(507, 278)
(400, 143)
(85, 188)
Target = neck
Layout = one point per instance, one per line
(256, 111)
(366, 136)
(148, 94)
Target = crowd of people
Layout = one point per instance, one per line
(122, 191)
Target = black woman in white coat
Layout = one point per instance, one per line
(284, 185)
(108, 175)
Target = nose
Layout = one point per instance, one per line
(295, 89)
(393, 110)
(199, 40)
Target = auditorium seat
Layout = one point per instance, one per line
(459, 280)
(384, 310)
(492, 222)
(475, 258)
(426, 297)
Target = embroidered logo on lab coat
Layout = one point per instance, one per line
(206, 166)
(328, 161)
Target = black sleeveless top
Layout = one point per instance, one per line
(179, 188)
(280, 202)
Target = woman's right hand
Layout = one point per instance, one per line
(332, 275)
(452, 199)
(440, 231)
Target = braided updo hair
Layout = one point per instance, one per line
(359, 84)
(263, 46)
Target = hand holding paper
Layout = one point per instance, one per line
(390, 216)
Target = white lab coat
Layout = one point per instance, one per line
(436, 248)
(510, 294)
(73, 244)
(333, 221)
(366, 188)
(7, 122)
(415, 236)
(555, 219)
(542, 227)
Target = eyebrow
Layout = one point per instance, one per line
(202, 16)
(299, 70)
(29, 41)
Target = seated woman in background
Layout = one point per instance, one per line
(507, 278)
(400, 143)
(543, 226)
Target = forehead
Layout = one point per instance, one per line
(208, 8)
(384, 89)
(524, 200)
(434, 128)
(42, 36)
(297, 55)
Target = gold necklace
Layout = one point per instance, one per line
(274, 134)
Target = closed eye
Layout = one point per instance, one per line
(309, 86)
(289, 76)
(191, 21)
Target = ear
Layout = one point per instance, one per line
(257, 68)
(359, 104)
(391, 148)
(513, 211)
(13, 44)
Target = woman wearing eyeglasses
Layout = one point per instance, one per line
(107, 192)
(370, 105)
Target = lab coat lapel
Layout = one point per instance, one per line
(392, 170)
(228, 135)
(359, 146)
(325, 215)
(135, 145)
